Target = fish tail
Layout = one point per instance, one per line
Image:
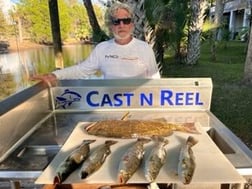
(90, 126)
(143, 140)
(191, 141)
(187, 127)
(110, 142)
(88, 141)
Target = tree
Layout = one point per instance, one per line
(36, 20)
(248, 62)
(218, 17)
(196, 20)
(64, 18)
(80, 25)
(178, 28)
(5, 27)
(167, 19)
(98, 34)
(3, 24)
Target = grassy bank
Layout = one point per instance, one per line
(231, 101)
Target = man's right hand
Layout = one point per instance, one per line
(51, 78)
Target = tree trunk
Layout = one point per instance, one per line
(195, 25)
(20, 32)
(217, 32)
(55, 25)
(248, 63)
(98, 34)
(218, 19)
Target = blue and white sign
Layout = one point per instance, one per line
(163, 93)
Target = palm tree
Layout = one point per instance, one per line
(167, 19)
(195, 24)
(157, 23)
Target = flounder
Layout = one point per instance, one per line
(137, 128)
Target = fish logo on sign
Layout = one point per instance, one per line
(67, 98)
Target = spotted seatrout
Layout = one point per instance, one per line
(137, 128)
(131, 160)
(96, 159)
(73, 161)
(156, 158)
(186, 165)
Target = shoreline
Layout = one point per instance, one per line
(21, 46)
(26, 45)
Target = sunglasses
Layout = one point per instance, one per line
(124, 20)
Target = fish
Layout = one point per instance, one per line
(131, 160)
(73, 161)
(96, 159)
(137, 128)
(156, 158)
(186, 164)
(67, 98)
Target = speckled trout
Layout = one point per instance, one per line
(186, 165)
(96, 159)
(73, 161)
(156, 159)
(131, 160)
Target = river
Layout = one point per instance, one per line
(16, 68)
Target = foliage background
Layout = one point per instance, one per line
(34, 20)
(231, 100)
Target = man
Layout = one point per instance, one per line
(121, 57)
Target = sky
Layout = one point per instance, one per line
(7, 4)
